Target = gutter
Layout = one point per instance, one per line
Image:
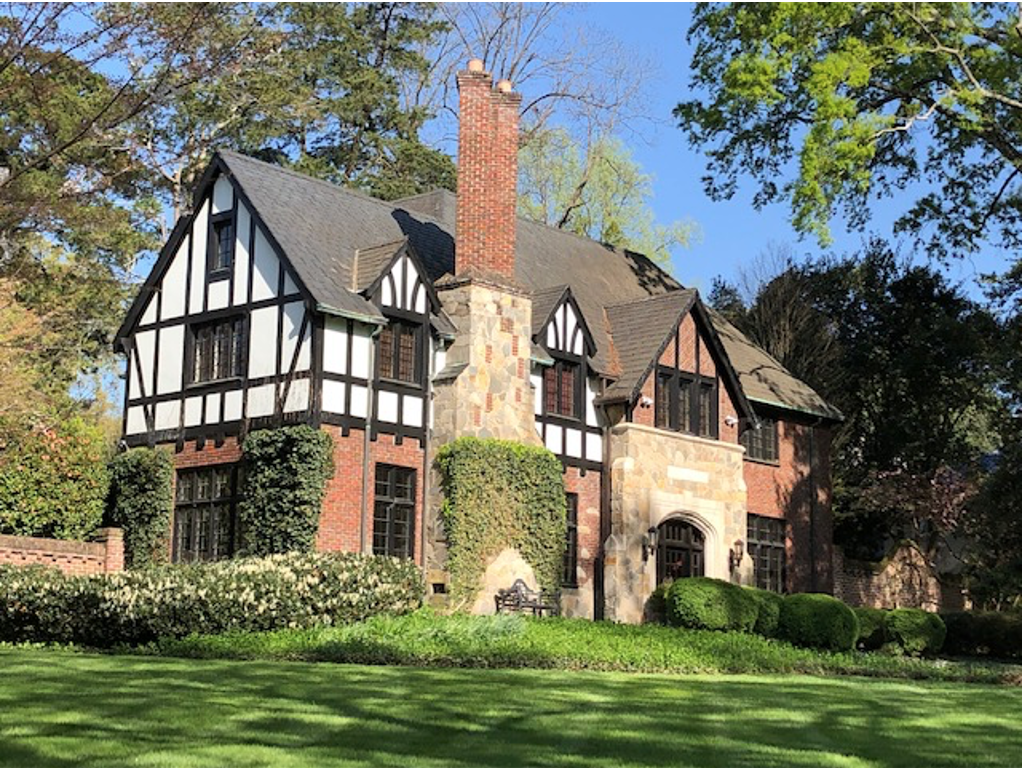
(326, 309)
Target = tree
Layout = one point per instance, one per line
(602, 194)
(916, 380)
(826, 106)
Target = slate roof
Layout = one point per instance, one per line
(640, 329)
(319, 226)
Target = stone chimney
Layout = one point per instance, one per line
(487, 175)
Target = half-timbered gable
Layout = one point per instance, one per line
(221, 332)
(564, 382)
(394, 279)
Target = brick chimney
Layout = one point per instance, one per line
(487, 175)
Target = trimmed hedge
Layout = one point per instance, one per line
(704, 603)
(871, 628)
(914, 631)
(769, 611)
(141, 502)
(250, 594)
(818, 621)
(984, 633)
(500, 494)
(285, 475)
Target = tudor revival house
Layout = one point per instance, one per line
(398, 327)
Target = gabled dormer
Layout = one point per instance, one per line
(565, 386)
(394, 279)
(675, 373)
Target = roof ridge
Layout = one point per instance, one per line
(652, 297)
(323, 182)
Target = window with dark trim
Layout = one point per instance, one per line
(561, 395)
(399, 351)
(217, 350)
(394, 511)
(766, 546)
(686, 402)
(762, 444)
(221, 245)
(569, 576)
(205, 513)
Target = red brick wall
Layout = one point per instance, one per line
(588, 489)
(340, 521)
(903, 579)
(686, 341)
(75, 558)
(783, 491)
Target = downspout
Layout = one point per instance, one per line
(426, 442)
(599, 570)
(366, 440)
(813, 581)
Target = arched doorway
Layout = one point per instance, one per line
(680, 547)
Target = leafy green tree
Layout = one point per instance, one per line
(602, 194)
(53, 478)
(828, 105)
(911, 364)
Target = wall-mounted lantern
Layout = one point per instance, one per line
(736, 554)
(649, 541)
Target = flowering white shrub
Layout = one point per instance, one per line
(279, 591)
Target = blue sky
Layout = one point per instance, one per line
(733, 232)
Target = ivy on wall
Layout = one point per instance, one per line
(500, 494)
(285, 471)
(141, 502)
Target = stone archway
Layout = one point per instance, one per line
(714, 561)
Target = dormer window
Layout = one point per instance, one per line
(221, 246)
(561, 396)
(399, 352)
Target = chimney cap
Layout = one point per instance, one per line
(504, 86)
(475, 65)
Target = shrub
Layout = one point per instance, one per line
(500, 494)
(53, 481)
(704, 603)
(285, 474)
(914, 631)
(768, 611)
(255, 594)
(141, 502)
(818, 621)
(984, 633)
(871, 628)
(655, 611)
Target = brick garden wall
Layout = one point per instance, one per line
(75, 558)
(903, 579)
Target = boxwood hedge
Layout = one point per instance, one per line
(704, 603)
(818, 621)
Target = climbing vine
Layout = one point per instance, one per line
(500, 494)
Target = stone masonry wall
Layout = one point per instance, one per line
(658, 475)
(491, 395)
(75, 558)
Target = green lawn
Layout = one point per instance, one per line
(65, 709)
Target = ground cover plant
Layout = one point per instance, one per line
(427, 639)
(59, 708)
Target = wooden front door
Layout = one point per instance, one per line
(679, 551)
